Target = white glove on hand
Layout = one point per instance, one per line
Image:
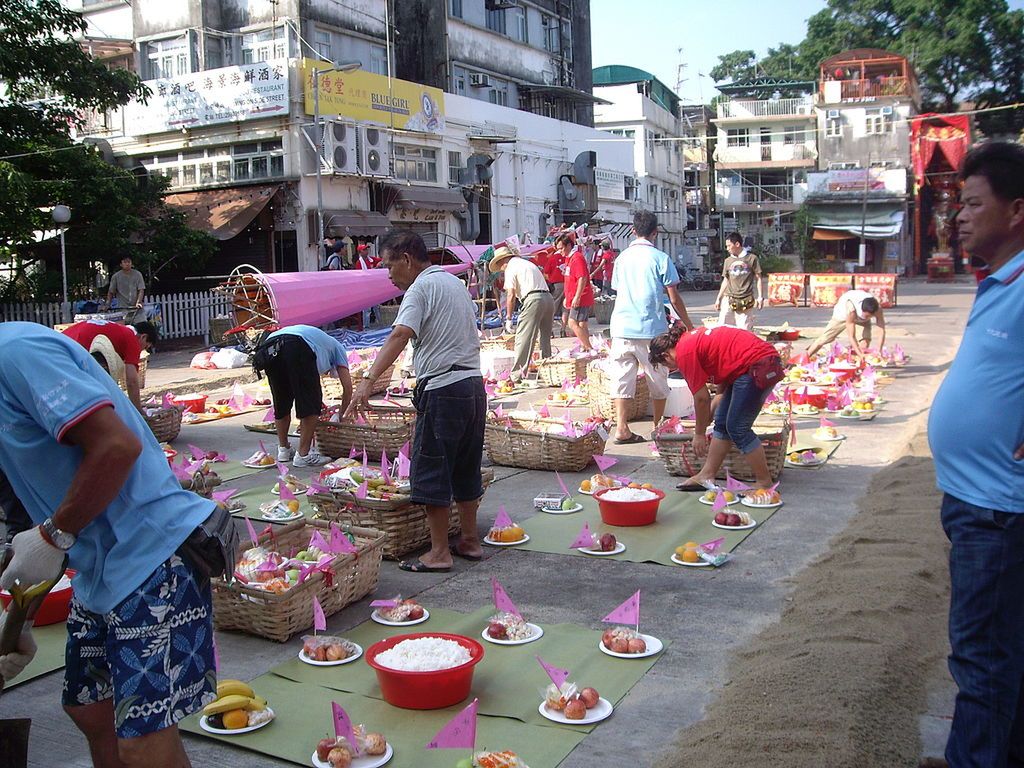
(34, 560)
(12, 664)
(509, 328)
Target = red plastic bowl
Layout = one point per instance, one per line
(171, 455)
(628, 513)
(843, 371)
(807, 395)
(55, 607)
(425, 690)
(192, 403)
(791, 335)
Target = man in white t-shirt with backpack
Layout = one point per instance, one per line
(855, 309)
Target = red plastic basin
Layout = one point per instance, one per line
(791, 335)
(809, 396)
(425, 690)
(171, 455)
(192, 403)
(843, 371)
(628, 513)
(55, 608)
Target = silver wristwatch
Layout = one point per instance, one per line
(61, 539)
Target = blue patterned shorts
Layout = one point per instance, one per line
(153, 654)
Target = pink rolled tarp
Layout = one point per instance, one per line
(318, 298)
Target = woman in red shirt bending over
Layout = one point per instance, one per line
(579, 297)
(745, 368)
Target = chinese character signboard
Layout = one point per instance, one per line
(369, 98)
(786, 288)
(882, 287)
(211, 97)
(855, 180)
(826, 289)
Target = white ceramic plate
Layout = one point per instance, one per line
(619, 549)
(205, 725)
(746, 527)
(377, 617)
(360, 762)
(654, 645)
(304, 658)
(257, 466)
(568, 511)
(752, 505)
(585, 493)
(702, 500)
(276, 519)
(538, 633)
(805, 464)
(601, 711)
(489, 540)
(841, 416)
(835, 439)
(698, 564)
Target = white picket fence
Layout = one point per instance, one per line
(181, 314)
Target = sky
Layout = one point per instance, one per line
(649, 33)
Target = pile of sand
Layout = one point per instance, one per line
(841, 679)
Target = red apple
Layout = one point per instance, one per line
(722, 518)
(575, 709)
(607, 542)
(497, 631)
(619, 645)
(323, 748)
(416, 612)
(637, 645)
(734, 520)
(607, 638)
(589, 697)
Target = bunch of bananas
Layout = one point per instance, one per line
(236, 706)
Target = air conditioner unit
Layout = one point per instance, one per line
(803, 109)
(479, 80)
(339, 149)
(832, 114)
(887, 111)
(374, 152)
(673, 194)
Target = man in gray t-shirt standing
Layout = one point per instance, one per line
(438, 317)
(128, 287)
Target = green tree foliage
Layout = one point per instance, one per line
(961, 50)
(50, 85)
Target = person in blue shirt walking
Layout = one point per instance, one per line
(976, 433)
(294, 358)
(97, 487)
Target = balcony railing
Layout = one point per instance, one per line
(210, 171)
(768, 193)
(872, 88)
(765, 108)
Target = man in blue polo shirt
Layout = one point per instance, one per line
(97, 486)
(976, 432)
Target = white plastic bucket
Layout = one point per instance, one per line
(680, 399)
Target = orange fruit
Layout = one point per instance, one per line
(235, 718)
(585, 485)
(647, 486)
(634, 485)
(293, 506)
(515, 533)
(690, 556)
(690, 545)
(680, 551)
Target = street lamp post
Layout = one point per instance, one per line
(62, 215)
(347, 67)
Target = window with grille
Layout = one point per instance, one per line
(454, 166)
(415, 163)
(265, 45)
(168, 58)
(322, 43)
(833, 128)
(875, 122)
(737, 137)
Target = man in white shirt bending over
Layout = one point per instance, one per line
(855, 309)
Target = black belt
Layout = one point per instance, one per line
(533, 292)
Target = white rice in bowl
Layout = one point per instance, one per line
(629, 494)
(424, 654)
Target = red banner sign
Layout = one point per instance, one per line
(786, 288)
(826, 289)
(882, 287)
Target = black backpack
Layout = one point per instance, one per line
(260, 356)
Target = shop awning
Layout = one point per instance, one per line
(429, 198)
(561, 92)
(341, 223)
(222, 213)
(839, 222)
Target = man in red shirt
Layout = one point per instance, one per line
(746, 369)
(127, 342)
(579, 297)
(554, 273)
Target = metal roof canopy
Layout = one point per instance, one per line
(562, 92)
(620, 74)
(764, 87)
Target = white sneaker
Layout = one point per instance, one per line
(285, 454)
(312, 459)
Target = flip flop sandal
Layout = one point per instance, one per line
(633, 438)
(691, 488)
(455, 553)
(418, 566)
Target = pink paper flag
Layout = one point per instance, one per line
(732, 484)
(284, 492)
(267, 565)
(825, 422)
(343, 725)
(319, 620)
(604, 462)
(168, 401)
(196, 451)
(499, 412)
(502, 602)
(384, 603)
(384, 466)
(252, 532)
(489, 388)
(366, 461)
(315, 488)
(544, 412)
(362, 490)
(340, 542)
(712, 546)
(317, 540)
(224, 495)
(404, 450)
(268, 416)
(460, 731)
(404, 466)
(502, 520)
(561, 484)
(584, 539)
(628, 611)
(282, 470)
(263, 447)
(557, 675)
(352, 452)
(720, 502)
(181, 472)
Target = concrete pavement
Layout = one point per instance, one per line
(705, 615)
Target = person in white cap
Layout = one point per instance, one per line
(118, 349)
(525, 282)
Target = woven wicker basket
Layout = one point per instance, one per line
(603, 404)
(142, 367)
(516, 446)
(555, 371)
(331, 387)
(403, 523)
(279, 616)
(387, 429)
(165, 424)
(677, 454)
(499, 342)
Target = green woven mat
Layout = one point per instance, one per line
(51, 641)
(304, 717)
(508, 681)
(681, 518)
